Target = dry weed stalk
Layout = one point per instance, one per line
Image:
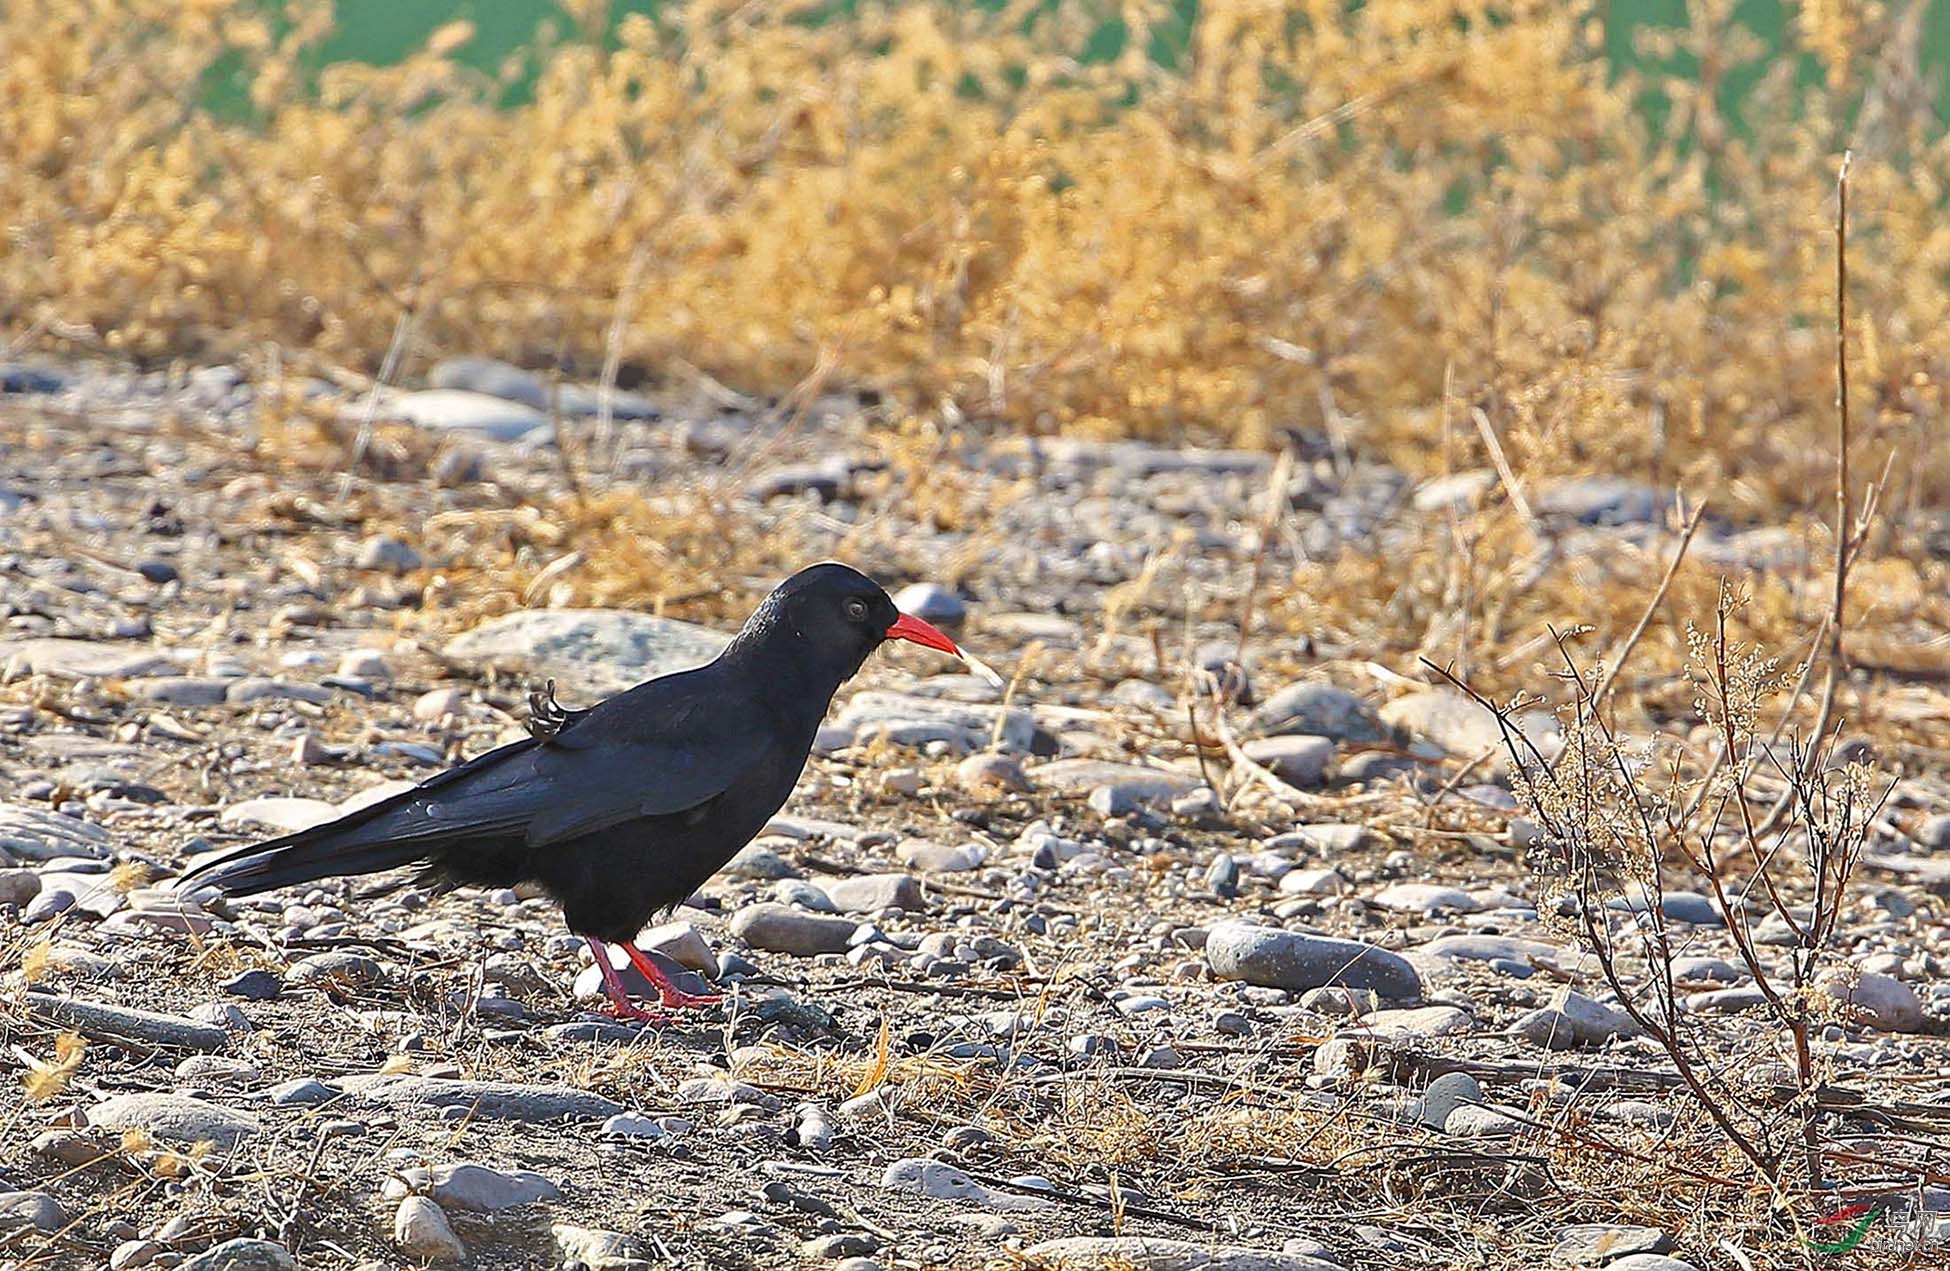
(1618, 818)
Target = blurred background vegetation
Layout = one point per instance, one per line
(1601, 234)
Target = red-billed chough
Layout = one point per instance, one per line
(622, 810)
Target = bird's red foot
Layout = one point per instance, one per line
(627, 1010)
(669, 993)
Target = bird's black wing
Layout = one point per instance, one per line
(642, 754)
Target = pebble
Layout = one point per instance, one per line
(479, 1188)
(438, 704)
(940, 1181)
(599, 1250)
(1602, 1244)
(492, 377)
(1296, 961)
(1155, 1253)
(931, 602)
(242, 1254)
(939, 858)
(421, 1231)
(254, 985)
(872, 893)
(682, 943)
(31, 834)
(777, 928)
(476, 414)
(1297, 759)
(1131, 782)
(336, 968)
(1426, 898)
(103, 1021)
(909, 719)
(37, 1209)
(174, 1118)
(1445, 1094)
(1324, 881)
(1880, 1001)
(991, 771)
(489, 1100)
(1573, 1019)
(1319, 710)
(592, 652)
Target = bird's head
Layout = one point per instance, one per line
(836, 616)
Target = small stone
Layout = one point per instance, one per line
(1297, 759)
(1602, 1244)
(682, 943)
(1297, 961)
(1447, 1093)
(871, 893)
(1933, 834)
(421, 1231)
(492, 377)
(1417, 1022)
(1131, 782)
(931, 602)
(337, 968)
(599, 1250)
(131, 1254)
(1155, 1253)
(174, 1118)
(1880, 1001)
(780, 929)
(1573, 1019)
(19, 886)
(1472, 1122)
(38, 1209)
(480, 1100)
(989, 771)
(208, 1070)
(1222, 876)
(242, 1254)
(436, 705)
(1426, 898)
(255, 985)
(365, 664)
(301, 1092)
(939, 858)
(941, 1181)
(1319, 710)
(476, 414)
(482, 1189)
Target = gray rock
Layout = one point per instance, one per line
(1601, 1244)
(340, 968)
(1297, 961)
(1649, 1262)
(254, 985)
(302, 1092)
(481, 1188)
(1880, 1001)
(778, 929)
(682, 943)
(989, 771)
(38, 1209)
(1426, 898)
(1319, 710)
(31, 834)
(1155, 1253)
(758, 862)
(1600, 500)
(941, 1181)
(389, 554)
(1297, 758)
(1139, 784)
(825, 480)
(81, 659)
(491, 1100)
(598, 652)
(260, 688)
(1452, 721)
(941, 858)
(421, 1232)
(456, 410)
(600, 1250)
(217, 1070)
(174, 1118)
(1473, 1122)
(1573, 1019)
(492, 377)
(1415, 1023)
(1445, 1094)
(908, 719)
(871, 893)
(18, 886)
(931, 602)
(1933, 834)
(104, 1021)
(242, 1254)
(180, 690)
(288, 815)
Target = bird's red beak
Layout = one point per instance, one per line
(912, 628)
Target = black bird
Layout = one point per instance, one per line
(622, 810)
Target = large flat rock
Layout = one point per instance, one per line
(592, 653)
(492, 1100)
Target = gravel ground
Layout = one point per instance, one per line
(1007, 971)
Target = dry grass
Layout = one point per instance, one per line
(1360, 221)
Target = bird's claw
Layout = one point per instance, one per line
(631, 1012)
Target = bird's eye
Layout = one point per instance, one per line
(856, 609)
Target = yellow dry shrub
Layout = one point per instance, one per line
(1321, 216)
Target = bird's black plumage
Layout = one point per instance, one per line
(622, 810)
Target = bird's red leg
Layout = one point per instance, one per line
(672, 995)
(619, 1004)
